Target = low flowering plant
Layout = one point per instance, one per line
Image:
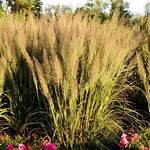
(9, 147)
(135, 141)
(21, 147)
(18, 143)
(124, 141)
(50, 146)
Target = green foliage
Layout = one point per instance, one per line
(37, 7)
(25, 6)
(1, 2)
(96, 8)
(145, 137)
(104, 10)
(122, 8)
(147, 9)
(6, 139)
(57, 10)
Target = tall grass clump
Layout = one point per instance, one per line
(143, 59)
(19, 93)
(67, 74)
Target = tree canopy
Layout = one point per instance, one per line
(25, 6)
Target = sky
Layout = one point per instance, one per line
(136, 6)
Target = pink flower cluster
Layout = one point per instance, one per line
(48, 146)
(128, 138)
(124, 141)
(20, 147)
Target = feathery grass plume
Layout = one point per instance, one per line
(94, 54)
(73, 67)
(42, 81)
(20, 83)
(3, 67)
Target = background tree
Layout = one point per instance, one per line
(1, 2)
(105, 9)
(34, 6)
(121, 7)
(37, 7)
(56, 10)
(2, 7)
(147, 9)
(97, 8)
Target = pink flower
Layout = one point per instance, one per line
(49, 146)
(21, 147)
(123, 143)
(9, 147)
(124, 135)
(146, 148)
